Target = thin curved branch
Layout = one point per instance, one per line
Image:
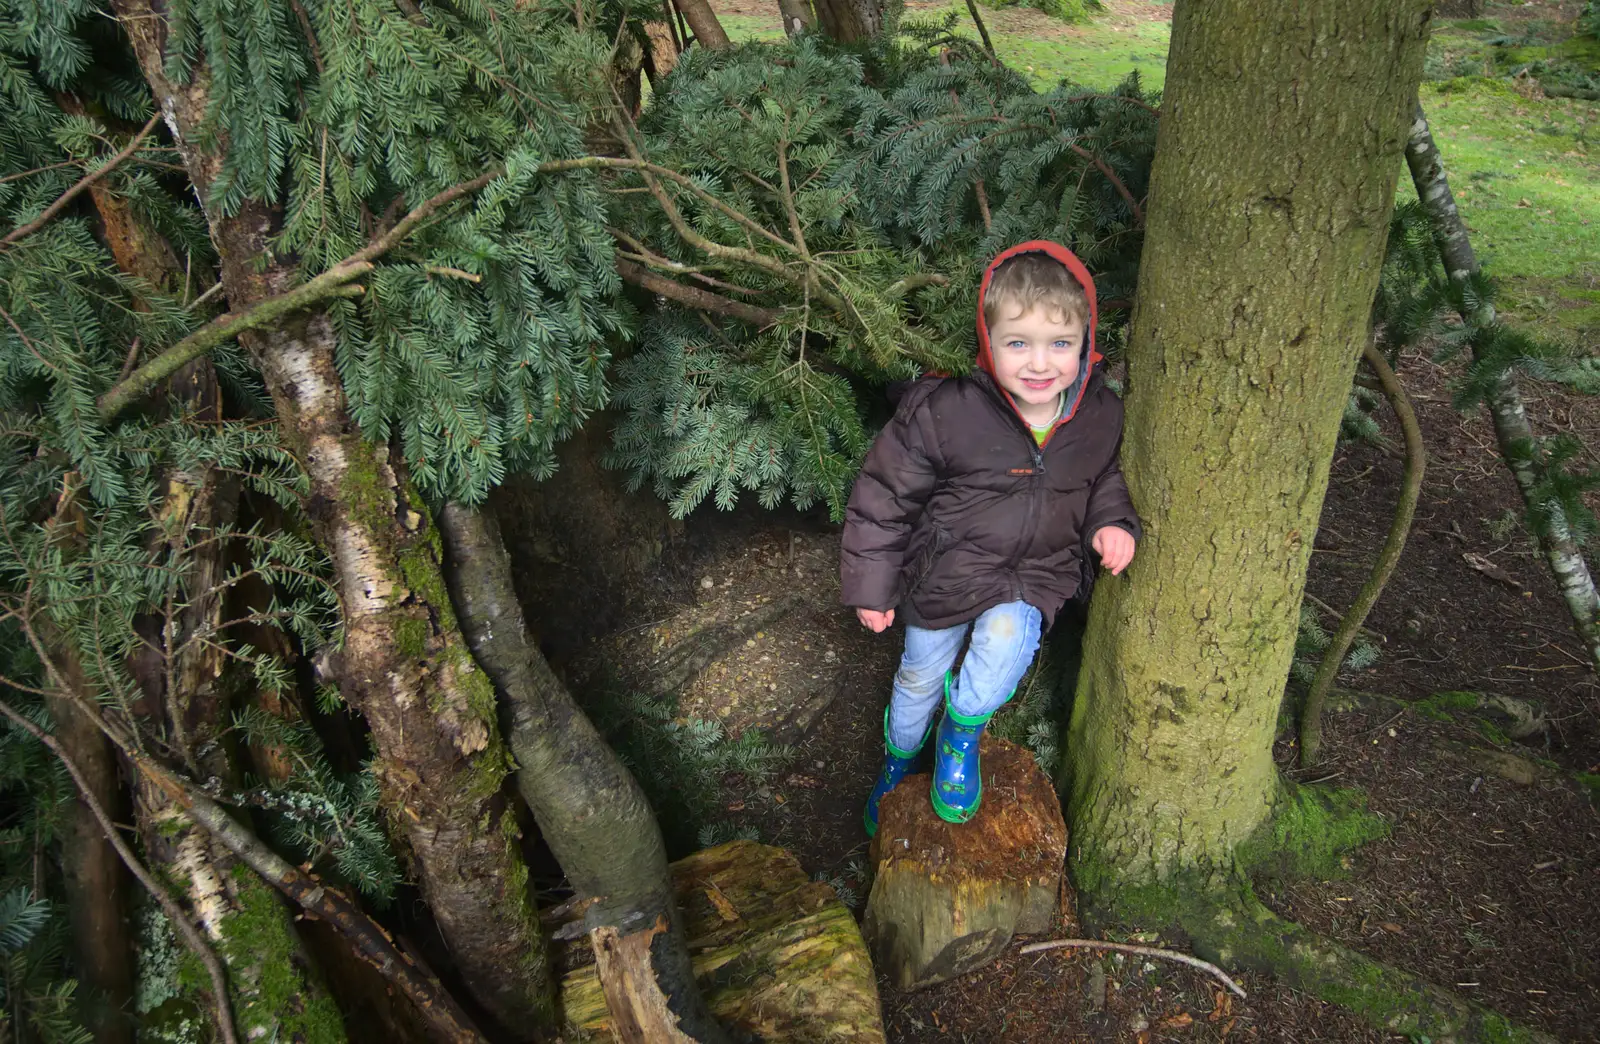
(1142, 951)
(1382, 569)
(1105, 168)
(80, 186)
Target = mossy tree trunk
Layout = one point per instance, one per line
(851, 21)
(1281, 133)
(404, 666)
(589, 808)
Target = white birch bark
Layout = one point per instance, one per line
(1512, 431)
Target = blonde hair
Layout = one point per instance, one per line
(1030, 281)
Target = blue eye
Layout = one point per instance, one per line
(1063, 344)
(1016, 344)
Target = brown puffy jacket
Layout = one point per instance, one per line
(957, 509)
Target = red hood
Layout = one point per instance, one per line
(1090, 357)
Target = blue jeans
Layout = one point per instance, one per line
(1004, 640)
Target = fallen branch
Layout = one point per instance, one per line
(80, 186)
(169, 906)
(1331, 611)
(1382, 569)
(1513, 432)
(1143, 951)
(1110, 175)
(694, 297)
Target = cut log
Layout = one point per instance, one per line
(777, 956)
(947, 898)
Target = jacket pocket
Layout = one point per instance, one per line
(922, 566)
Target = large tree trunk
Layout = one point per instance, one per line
(1512, 431)
(850, 21)
(95, 884)
(403, 665)
(589, 808)
(1274, 176)
(703, 23)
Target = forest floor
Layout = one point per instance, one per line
(1489, 882)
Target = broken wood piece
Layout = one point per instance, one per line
(947, 898)
(777, 956)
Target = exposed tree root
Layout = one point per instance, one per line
(1237, 931)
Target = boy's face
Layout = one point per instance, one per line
(1036, 359)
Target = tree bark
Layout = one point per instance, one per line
(797, 17)
(1271, 192)
(1512, 431)
(708, 32)
(850, 21)
(95, 883)
(590, 810)
(404, 667)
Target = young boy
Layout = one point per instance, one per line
(973, 510)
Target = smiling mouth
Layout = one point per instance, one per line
(1038, 385)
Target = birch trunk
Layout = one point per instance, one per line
(404, 667)
(1274, 177)
(1512, 431)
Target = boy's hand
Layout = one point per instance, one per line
(1114, 546)
(875, 621)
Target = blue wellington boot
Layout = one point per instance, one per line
(896, 764)
(957, 777)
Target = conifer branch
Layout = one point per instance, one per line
(1105, 168)
(694, 297)
(335, 282)
(80, 186)
(169, 906)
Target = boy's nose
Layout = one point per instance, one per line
(1039, 359)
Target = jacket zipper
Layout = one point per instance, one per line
(1031, 519)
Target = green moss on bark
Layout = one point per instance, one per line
(1311, 832)
(284, 1003)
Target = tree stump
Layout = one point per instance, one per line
(947, 898)
(776, 955)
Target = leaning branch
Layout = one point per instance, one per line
(82, 185)
(370, 942)
(169, 906)
(1105, 168)
(1513, 432)
(1382, 569)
